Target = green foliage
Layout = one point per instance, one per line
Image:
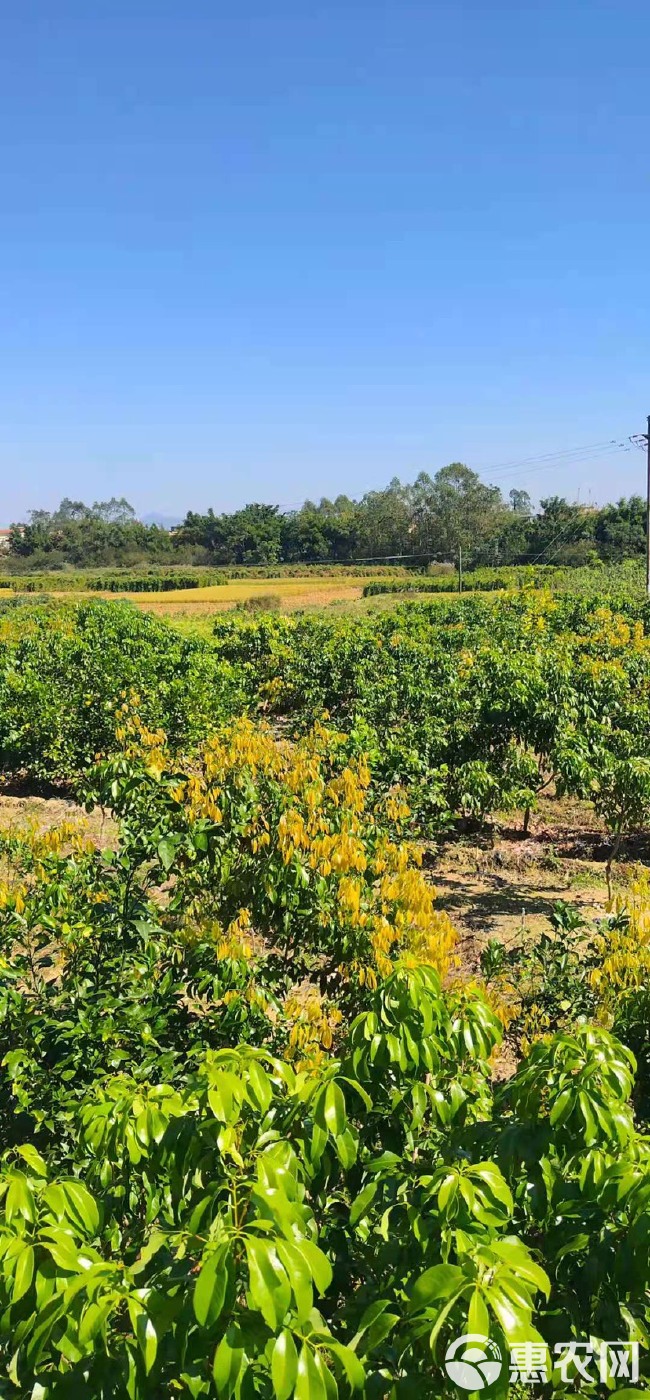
(68, 580)
(432, 517)
(598, 579)
(196, 1200)
(251, 1141)
(549, 981)
(475, 706)
(260, 602)
(217, 1222)
(68, 672)
(151, 581)
(105, 533)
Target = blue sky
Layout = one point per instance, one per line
(287, 248)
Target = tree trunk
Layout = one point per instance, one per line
(616, 846)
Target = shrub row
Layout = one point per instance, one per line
(476, 704)
(172, 577)
(68, 669)
(615, 579)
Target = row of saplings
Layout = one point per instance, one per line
(478, 708)
(475, 710)
(253, 1143)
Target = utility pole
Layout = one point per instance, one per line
(460, 547)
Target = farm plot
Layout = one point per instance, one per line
(288, 1105)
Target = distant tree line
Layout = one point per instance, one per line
(427, 520)
(107, 532)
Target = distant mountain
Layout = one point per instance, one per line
(166, 522)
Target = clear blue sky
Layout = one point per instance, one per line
(281, 248)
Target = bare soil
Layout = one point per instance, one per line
(494, 883)
(500, 884)
(46, 812)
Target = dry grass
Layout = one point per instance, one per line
(294, 593)
(192, 610)
(313, 592)
(42, 813)
(500, 885)
(196, 616)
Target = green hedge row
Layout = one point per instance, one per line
(482, 579)
(151, 583)
(112, 583)
(621, 579)
(173, 578)
(69, 673)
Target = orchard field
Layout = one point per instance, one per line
(271, 1124)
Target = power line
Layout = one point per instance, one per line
(561, 534)
(576, 461)
(546, 456)
(535, 464)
